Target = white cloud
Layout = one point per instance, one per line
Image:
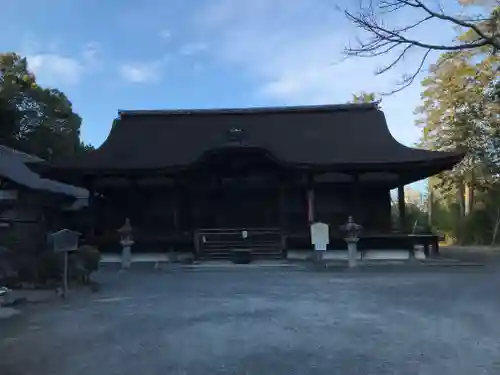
(141, 72)
(294, 49)
(192, 48)
(295, 57)
(52, 67)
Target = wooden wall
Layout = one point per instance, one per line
(161, 212)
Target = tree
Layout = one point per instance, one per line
(482, 30)
(364, 97)
(14, 77)
(459, 111)
(35, 120)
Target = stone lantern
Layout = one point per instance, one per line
(126, 240)
(351, 236)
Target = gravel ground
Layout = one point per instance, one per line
(264, 321)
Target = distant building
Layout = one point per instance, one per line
(182, 176)
(31, 205)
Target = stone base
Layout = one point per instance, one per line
(241, 256)
(126, 257)
(362, 254)
(352, 254)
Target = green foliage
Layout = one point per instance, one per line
(80, 265)
(416, 219)
(489, 25)
(460, 110)
(89, 257)
(35, 120)
(364, 97)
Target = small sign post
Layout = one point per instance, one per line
(65, 241)
(320, 238)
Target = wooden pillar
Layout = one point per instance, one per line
(191, 194)
(356, 199)
(134, 205)
(402, 207)
(311, 214)
(176, 207)
(282, 206)
(92, 209)
(283, 219)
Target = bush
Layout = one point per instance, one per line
(81, 264)
(89, 257)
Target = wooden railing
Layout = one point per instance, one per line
(263, 243)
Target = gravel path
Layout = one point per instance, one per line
(264, 321)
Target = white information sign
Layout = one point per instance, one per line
(65, 240)
(320, 237)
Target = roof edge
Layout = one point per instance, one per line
(254, 110)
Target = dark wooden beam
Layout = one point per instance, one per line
(90, 186)
(311, 209)
(283, 206)
(176, 206)
(356, 199)
(402, 208)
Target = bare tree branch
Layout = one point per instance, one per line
(383, 39)
(490, 39)
(408, 80)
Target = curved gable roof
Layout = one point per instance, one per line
(320, 136)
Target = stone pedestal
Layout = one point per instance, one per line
(126, 254)
(352, 252)
(126, 241)
(351, 229)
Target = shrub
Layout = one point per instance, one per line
(81, 264)
(90, 257)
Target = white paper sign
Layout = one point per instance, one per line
(64, 240)
(320, 237)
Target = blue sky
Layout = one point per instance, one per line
(151, 54)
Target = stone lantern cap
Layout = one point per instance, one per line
(126, 229)
(351, 229)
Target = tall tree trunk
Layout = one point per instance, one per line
(430, 202)
(461, 219)
(496, 227)
(469, 198)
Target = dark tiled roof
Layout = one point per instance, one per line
(330, 135)
(13, 167)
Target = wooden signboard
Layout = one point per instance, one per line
(320, 236)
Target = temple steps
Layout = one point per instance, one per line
(221, 244)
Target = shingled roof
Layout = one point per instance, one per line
(13, 167)
(349, 136)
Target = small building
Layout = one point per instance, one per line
(31, 205)
(182, 175)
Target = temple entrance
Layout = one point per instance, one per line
(237, 188)
(237, 206)
(246, 208)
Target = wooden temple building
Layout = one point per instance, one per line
(182, 176)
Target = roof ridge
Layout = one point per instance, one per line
(20, 153)
(276, 109)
